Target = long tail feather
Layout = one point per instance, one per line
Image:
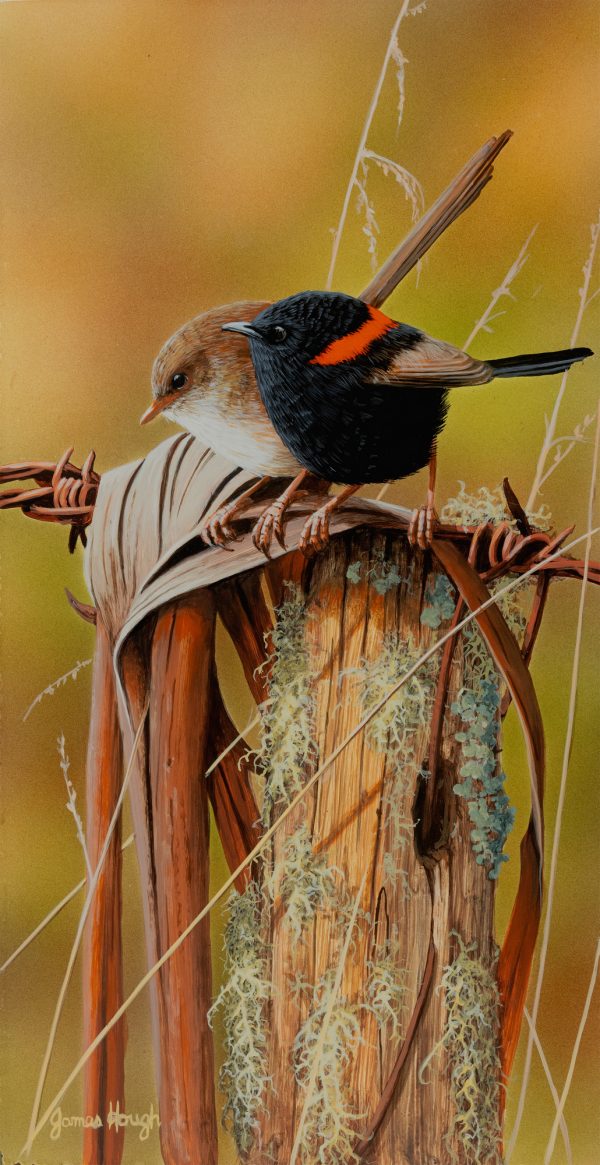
(539, 363)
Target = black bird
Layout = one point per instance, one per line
(358, 397)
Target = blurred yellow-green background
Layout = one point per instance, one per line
(160, 158)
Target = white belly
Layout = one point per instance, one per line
(251, 444)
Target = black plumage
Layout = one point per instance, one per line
(358, 397)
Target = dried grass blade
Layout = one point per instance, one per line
(569, 1079)
(77, 940)
(51, 915)
(551, 1085)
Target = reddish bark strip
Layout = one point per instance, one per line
(236, 812)
(518, 948)
(170, 809)
(247, 619)
(103, 1081)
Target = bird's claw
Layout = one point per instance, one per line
(269, 525)
(217, 531)
(421, 527)
(315, 535)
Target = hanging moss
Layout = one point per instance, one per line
(395, 728)
(330, 1128)
(470, 1039)
(513, 605)
(241, 1001)
(287, 744)
(305, 881)
(387, 989)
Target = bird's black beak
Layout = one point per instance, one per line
(243, 328)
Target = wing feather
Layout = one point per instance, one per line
(432, 364)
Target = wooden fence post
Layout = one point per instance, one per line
(374, 1097)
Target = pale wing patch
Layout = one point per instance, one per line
(435, 364)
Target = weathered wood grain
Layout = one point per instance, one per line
(354, 818)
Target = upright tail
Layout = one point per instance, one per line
(539, 363)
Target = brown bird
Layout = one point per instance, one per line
(203, 379)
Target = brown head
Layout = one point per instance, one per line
(200, 360)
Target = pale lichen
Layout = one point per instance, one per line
(395, 727)
(304, 880)
(287, 734)
(478, 706)
(470, 1040)
(241, 1001)
(386, 989)
(486, 505)
(330, 1127)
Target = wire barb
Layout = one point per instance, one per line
(63, 492)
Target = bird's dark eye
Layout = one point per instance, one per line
(278, 335)
(178, 380)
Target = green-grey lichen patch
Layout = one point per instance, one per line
(304, 880)
(386, 578)
(330, 1128)
(487, 505)
(382, 574)
(387, 989)
(482, 781)
(470, 1039)
(440, 602)
(478, 706)
(241, 1001)
(287, 720)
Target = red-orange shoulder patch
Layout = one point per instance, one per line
(356, 343)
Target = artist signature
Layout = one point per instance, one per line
(144, 1122)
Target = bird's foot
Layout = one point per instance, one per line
(315, 535)
(217, 530)
(270, 524)
(421, 527)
